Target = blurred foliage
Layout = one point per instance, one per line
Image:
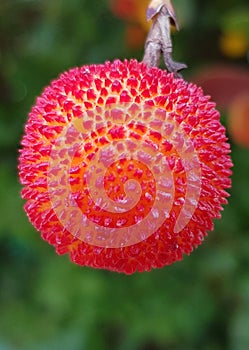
(46, 302)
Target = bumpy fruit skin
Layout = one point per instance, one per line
(108, 85)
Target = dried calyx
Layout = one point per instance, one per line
(158, 41)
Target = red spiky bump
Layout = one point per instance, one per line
(123, 166)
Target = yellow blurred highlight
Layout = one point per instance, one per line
(234, 44)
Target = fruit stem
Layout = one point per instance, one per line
(158, 41)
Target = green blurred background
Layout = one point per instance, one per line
(46, 302)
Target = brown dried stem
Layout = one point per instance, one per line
(158, 41)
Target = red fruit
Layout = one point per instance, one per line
(238, 119)
(134, 36)
(123, 166)
(125, 9)
(223, 82)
